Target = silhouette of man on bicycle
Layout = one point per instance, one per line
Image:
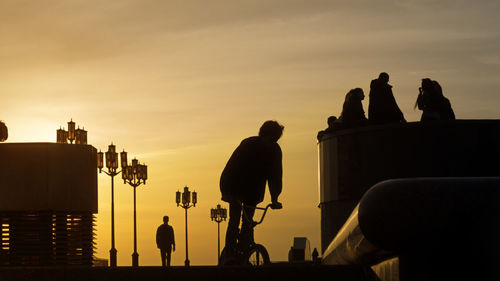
(255, 161)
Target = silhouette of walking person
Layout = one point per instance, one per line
(383, 108)
(432, 102)
(255, 161)
(165, 241)
(353, 114)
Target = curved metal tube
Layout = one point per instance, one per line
(418, 215)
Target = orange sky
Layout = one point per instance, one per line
(179, 84)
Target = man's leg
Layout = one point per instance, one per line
(163, 256)
(169, 251)
(233, 225)
(246, 234)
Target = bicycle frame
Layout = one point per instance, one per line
(251, 221)
(242, 256)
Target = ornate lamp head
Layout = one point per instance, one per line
(62, 136)
(194, 198)
(100, 162)
(186, 196)
(71, 131)
(178, 197)
(123, 158)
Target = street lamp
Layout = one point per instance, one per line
(112, 165)
(185, 202)
(62, 135)
(218, 215)
(135, 175)
(80, 136)
(72, 134)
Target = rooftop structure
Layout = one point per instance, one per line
(352, 161)
(48, 198)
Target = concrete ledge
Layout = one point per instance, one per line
(273, 272)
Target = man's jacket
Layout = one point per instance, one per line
(165, 236)
(254, 162)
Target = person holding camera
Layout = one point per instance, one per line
(432, 102)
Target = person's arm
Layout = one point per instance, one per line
(275, 174)
(158, 238)
(173, 240)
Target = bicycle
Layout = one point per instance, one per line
(253, 254)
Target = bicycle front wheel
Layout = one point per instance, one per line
(257, 256)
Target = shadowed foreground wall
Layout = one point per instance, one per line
(351, 161)
(48, 198)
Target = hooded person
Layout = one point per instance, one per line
(353, 114)
(383, 108)
(432, 102)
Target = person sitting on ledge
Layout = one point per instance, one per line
(432, 102)
(334, 124)
(383, 108)
(353, 114)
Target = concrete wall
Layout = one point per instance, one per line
(351, 161)
(48, 176)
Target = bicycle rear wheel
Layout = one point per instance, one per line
(257, 256)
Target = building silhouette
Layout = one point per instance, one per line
(352, 161)
(47, 204)
(415, 201)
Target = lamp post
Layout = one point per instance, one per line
(79, 136)
(187, 198)
(218, 215)
(112, 165)
(135, 175)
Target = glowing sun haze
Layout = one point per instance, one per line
(178, 84)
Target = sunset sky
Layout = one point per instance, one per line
(178, 84)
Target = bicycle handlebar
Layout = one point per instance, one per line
(254, 223)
